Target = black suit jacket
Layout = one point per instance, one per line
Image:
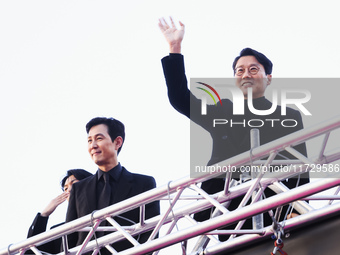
(83, 201)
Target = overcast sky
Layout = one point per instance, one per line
(65, 62)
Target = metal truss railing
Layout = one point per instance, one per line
(186, 198)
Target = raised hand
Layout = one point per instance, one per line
(55, 202)
(173, 35)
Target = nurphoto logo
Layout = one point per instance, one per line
(287, 98)
(238, 100)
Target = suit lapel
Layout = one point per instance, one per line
(90, 194)
(124, 186)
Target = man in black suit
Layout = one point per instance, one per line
(252, 69)
(105, 139)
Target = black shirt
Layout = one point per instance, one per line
(114, 175)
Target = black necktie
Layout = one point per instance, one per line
(105, 194)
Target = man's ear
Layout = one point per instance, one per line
(118, 142)
(269, 79)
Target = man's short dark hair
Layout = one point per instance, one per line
(115, 127)
(79, 174)
(263, 60)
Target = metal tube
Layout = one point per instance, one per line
(212, 201)
(257, 220)
(290, 224)
(122, 231)
(235, 216)
(323, 146)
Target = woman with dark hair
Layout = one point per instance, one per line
(40, 222)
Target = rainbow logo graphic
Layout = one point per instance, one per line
(209, 93)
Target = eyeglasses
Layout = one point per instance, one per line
(252, 70)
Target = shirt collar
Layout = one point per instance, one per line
(114, 172)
